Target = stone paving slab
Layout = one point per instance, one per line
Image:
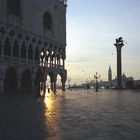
(73, 115)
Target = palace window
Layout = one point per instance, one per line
(13, 7)
(47, 21)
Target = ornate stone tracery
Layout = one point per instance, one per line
(22, 50)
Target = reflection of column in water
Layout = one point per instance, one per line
(49, 103)
(49, 94)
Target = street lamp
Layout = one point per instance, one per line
(96, 77)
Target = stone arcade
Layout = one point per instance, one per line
(32, 44)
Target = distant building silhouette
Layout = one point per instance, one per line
(127, 82)
(32, 44)
(109, 75)
(137, 84)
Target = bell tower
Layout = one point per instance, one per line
(109, 75)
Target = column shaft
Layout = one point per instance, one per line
(63, 86)
(119, 68)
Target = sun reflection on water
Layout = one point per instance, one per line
(52, 113)
(49, 103)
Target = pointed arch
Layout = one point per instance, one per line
(10, 81)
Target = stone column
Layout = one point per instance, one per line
(53, 84)
(63, 86)
(46, 60)
(54, 87)
(59, 62)
(45, 85)
(119, 68)
(63, 63)
(119, 44)
(56, 61)
(51, 59)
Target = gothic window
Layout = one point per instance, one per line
(7, 48)
(15, 49)
(23, 51)
(13, 7)
(36, 54)
(30, 53)
(47, 21)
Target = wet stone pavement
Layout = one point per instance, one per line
(73, 115)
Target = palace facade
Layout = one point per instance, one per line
(32, 45)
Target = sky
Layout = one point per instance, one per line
(92, 27)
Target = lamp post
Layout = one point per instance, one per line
(96, 77)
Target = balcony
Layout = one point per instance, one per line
(27, 62)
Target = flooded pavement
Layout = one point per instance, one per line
(73, 115)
